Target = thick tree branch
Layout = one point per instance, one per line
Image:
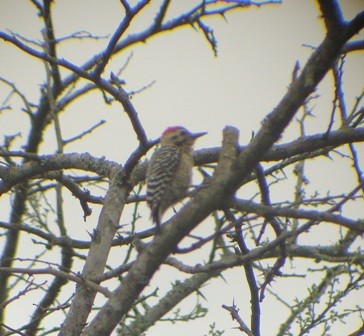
(46, 163)
(300, 146)
(13, 175)
(97, 256)
(353, 46)
(179, 292)
(332, 15)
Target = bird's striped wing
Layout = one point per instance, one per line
(161, 169)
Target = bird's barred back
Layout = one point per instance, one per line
(160, 173)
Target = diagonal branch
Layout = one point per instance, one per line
(130, 14)
(179, 292)
(161, 14)
(332, 15)
(97, 256)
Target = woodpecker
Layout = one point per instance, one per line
(170, 170)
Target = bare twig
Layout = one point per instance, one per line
(317, 216)
(67, 276)
(234, 312)
(250, 276)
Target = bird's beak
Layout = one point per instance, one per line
(197, 135)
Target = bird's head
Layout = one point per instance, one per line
(179, 136)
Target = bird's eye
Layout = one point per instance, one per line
(183, 132)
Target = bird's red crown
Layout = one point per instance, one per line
(171, 129)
